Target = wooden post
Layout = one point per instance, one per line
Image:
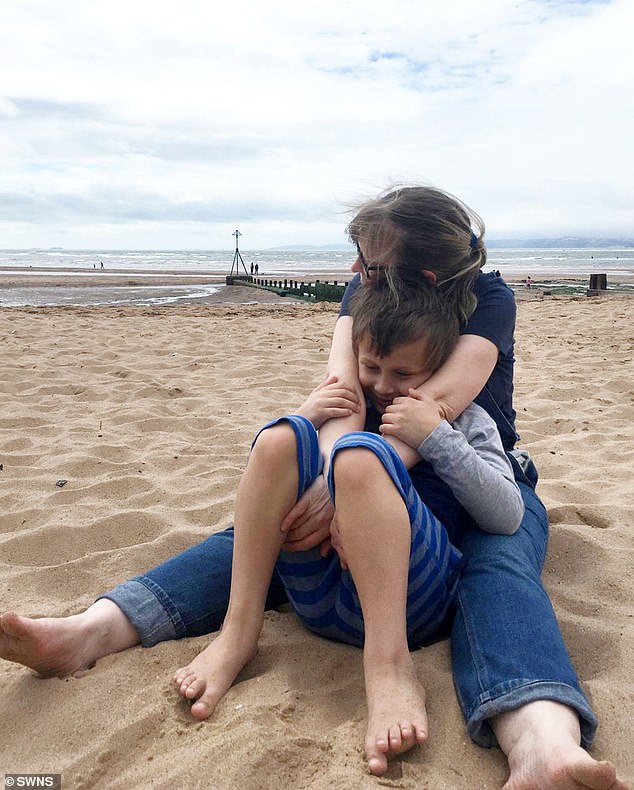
(598, 283)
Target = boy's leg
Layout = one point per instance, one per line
(374, 529)
(267, 491)
(284, 461)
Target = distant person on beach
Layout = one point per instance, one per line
(251, 267)
(101, 264)
(528, 281)
(515, 681)
(257, 268)
(391, 584)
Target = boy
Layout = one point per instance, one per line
(391, 583)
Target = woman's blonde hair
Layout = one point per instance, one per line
(415, 230)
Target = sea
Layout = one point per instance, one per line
(334, 265)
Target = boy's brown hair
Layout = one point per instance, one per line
(417, 312)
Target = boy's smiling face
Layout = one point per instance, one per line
(385, 378)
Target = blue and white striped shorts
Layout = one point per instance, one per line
(324, 595)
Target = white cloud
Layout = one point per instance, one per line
(163, 125)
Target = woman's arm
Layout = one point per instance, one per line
(462, 377)
(453, 386)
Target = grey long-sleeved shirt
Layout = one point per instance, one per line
(468, 455)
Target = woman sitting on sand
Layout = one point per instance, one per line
(513, 675)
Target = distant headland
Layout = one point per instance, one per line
(564, 242)
(559, 242)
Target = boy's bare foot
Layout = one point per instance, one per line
(59, 646)
(541, 741)
(211, 674)
(397, 717)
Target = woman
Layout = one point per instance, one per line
(513, 676)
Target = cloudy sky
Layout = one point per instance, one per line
(163, 124)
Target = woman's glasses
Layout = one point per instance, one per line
(367, 270)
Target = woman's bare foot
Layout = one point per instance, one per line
(397, 717)
(211, 674)
(59, 646)
(541, 740)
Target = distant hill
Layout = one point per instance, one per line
(563, 242)
(327, 247)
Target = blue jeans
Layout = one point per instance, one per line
(506, 646)
(507, 649)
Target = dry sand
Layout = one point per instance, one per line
(148, 413)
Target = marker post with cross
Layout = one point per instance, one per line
(237, 258)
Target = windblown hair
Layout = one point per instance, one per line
(418, 312)
(417, 228)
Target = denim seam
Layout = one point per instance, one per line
(480, 666)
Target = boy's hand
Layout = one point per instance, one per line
(328, 400)
(411, 419)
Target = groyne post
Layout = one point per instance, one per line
(598, 284)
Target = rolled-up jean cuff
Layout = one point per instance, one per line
(480, 730)
(148, 608)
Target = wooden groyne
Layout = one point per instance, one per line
(318, 291)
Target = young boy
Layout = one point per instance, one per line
(391, 584)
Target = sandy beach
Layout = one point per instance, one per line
(148, 414)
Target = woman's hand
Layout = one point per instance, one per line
(411, 419)
(308, 523)
(329, 400)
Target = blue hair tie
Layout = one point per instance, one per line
(473, 243)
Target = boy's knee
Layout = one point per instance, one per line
(356, 466)
(275, 444)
